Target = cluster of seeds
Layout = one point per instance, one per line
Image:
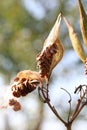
(44, 60)
(22, 87)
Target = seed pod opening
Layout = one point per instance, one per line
(25, 82)
(52, 51)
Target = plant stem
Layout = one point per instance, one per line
(50, 105)
(55, 112)
(68, 126)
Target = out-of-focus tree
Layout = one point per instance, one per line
(16, 49)
(22, 35)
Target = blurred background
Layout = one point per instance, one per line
(24, 25)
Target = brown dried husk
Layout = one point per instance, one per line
(49, 58)
(51, 53)
(25, 82)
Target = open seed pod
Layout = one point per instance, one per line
(25, 82)
(51, 53)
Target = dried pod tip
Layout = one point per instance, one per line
(69, 26)
(81, 9)
(59, 19)
(75, 41)
(54, 33)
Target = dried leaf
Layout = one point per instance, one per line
(51, 53)
(75, 41)
(25, 82)
(83, 22)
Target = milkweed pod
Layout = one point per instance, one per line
(83, 22)
(25, 82)
(75, 41)
(52, 51)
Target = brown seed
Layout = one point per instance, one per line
(15, 104)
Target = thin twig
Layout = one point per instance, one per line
(79, 107)
(56, 113)
(77, 113)
(68, 102)
(45, 95)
